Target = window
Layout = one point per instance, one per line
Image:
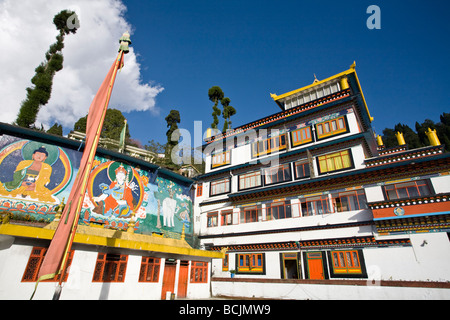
(331, 128)
(278, 210)
(251, 263)
(301, 170)
(199, 189)
(110, 268)
(149, 269)
(269, 145)
(349, 201)
(34, 264)
(212, 219)
(346, 262)
(315, 205)
(220, 187)
(199, 272)
(335, 161)
(250, 180)
(220, 159)
(278, 174)
(227, 217)
(407, 190)
(225, 263)
(301, 136)
(250, 214)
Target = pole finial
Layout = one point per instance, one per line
(124, 42)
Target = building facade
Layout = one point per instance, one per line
(135, 235)
(307, 197)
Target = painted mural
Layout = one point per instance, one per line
(35, 177)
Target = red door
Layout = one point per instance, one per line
(183, 279)
(170, 269)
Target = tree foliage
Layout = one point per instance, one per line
(228, 111)
(39, 94)
(172, 119)
(215, 94)
(418, 138)
(112, 126)
(56, 129)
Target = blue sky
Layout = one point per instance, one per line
(253, 48)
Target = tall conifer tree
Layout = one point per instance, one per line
(38, 95)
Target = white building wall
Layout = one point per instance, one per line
(79, 285)
(441, 184)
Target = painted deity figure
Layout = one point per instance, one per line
(30, 178)
(117, 198)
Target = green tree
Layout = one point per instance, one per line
(56, 129)
(389, 138)
(228, 111)
(112, 126)
(155, 147)
(172, 119)
(39, 94)
(215, 94)
(422, 128)
(411, 138)
(443, 130)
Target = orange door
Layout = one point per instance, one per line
(315, 269)
(183, 279)
(168, 279)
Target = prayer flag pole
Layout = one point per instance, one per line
(56, 258)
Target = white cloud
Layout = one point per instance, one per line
(27, 31)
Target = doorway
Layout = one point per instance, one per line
(290, 266)
(290, 269)
(168, 285)
(183, 279)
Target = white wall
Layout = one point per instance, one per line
(303, 291)
(79, 285)
(441, 184)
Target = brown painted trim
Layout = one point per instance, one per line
(382, 283)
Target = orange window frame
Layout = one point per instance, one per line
(346, 262)
(270, 145)
(301, 136)
(278, 174)
(213, 219)
(251, 214)
(277, 206)
(411, 189)
(335, 161)
(34, 264)
(245, 180)
(217, 185)
(221, 159)
(331, 127)
(199, 272)
(200, 190)
(225, 263)
(302, 167)
(110, 268)
(226, 217)
(253, 262)
(150, 268)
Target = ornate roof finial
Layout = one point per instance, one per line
(315, 79)
(125, 42)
